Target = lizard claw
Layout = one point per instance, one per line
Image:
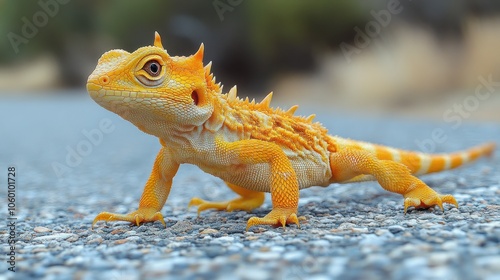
(425, 197)
(137, 217)
(277, 217)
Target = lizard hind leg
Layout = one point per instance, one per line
(392, 176)
(247, 201)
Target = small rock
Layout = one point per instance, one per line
(252, 237)
(264, 256)
(388, 222)
(57, 237)
(271, 233)
(489, 262)
(396, 228)
(383, 231)
(440, 259)
(97, 240)
(130, 233)
(410, 222)
(121, 241)
(214, 251)
(134, 238)
(225, 240)
(331, 237)
(73, 238)
(295, 256)
(359, 230)
(450, 245)
(118, 231)
(319, 243)
(181, 226)
(41, 229)
(235, 247)
(379, 217)
(458, 233)
(209, 231)
(345, 226)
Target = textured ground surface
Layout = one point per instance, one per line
(352, 231)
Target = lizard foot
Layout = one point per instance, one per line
(425, 197)
(141, 215)
(277, 217)
(242, 203)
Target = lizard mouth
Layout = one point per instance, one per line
(93, 88)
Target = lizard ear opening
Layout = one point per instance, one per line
(199, 97)
(195, 97)
(157, 42)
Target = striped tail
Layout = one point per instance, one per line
(421, 163)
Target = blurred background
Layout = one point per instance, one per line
(412, 58)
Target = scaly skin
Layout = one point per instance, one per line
(254, 148)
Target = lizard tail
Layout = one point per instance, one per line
(422, 163)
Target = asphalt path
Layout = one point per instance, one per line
(73, 159)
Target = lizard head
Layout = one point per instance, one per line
(152, 89)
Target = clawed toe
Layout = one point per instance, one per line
(277, 217)
(142, 215)
(429, 202)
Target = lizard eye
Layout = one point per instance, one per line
(152, 73)
(153, 68)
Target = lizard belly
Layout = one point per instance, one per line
(310, 171)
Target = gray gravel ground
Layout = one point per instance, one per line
(355, 231)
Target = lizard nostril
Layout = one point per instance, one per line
(104, 80)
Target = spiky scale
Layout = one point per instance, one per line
(292, 110)
(266, 102)
(157, 41)
(208, 67)
(199, 54)
(310, 118)
(232, 95)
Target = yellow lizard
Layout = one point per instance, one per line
(254, 148)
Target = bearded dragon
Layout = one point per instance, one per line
(253, 147)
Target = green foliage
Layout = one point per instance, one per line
(81, 30)
(279, 22)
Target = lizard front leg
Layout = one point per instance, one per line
(247, 201)
(154, 195)
(284, 186)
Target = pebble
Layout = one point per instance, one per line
(319, 243)
(56, 236)
(396, 229)
(41, 229)
(209, 231)
(294, 256)
(225, 240)
(346, 226)
(371, 240)
(264, 256)
(359, 230)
